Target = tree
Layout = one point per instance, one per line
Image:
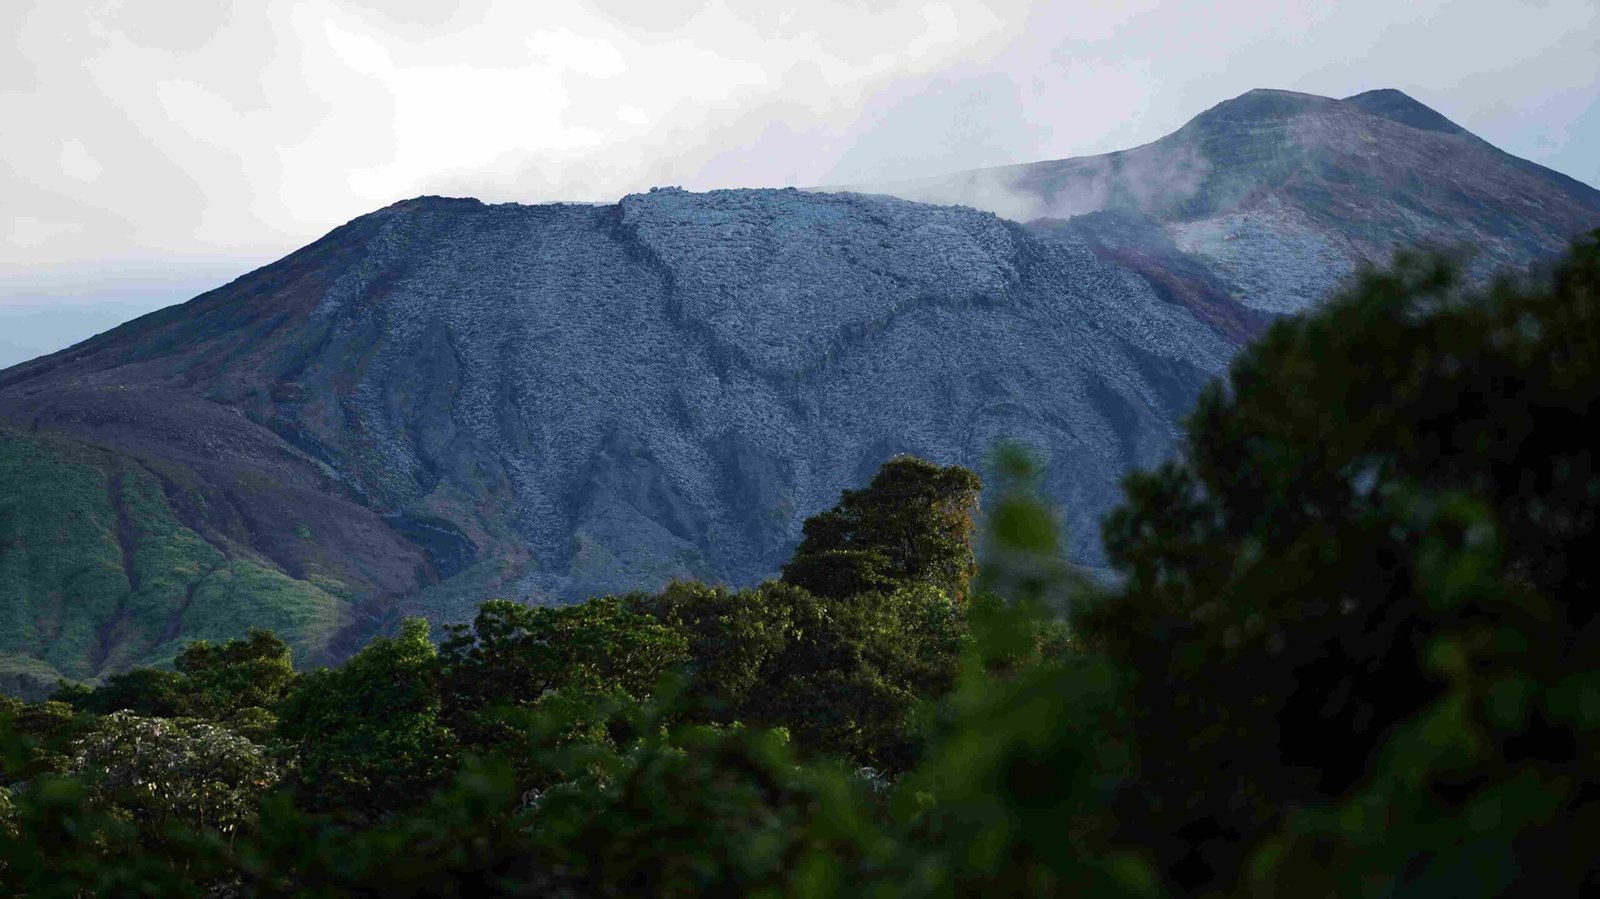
(520, 652)
(731, 637)
(144, 691)
(840, 674)
(237, 683)
(221, 681)
(1386, 520)
(40, 736)
(912, 524)
(704, 811)
(853, 669)
(367, 737)
(162, 771)
(565, 667)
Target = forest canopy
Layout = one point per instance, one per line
(1350, 649)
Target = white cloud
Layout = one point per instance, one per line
(244, 129)
(30, 233)
(78, 163)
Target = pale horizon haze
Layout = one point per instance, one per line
(154, 151)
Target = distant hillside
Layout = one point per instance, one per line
(445, 401)
(1278, 196)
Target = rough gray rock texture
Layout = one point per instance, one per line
(446, 401)
(558, 401)
(1280, 195)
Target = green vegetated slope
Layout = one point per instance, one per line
(99, 574)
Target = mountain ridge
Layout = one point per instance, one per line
(445, 400)
(550, 402)
(1281, 195)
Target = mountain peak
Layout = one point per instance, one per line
(435, 201)
(1269, 103)
(1262, 103)
(1397, 106)
(1282, 194)
(1274, 95)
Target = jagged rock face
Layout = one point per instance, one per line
(551, 402)
(1280, 196)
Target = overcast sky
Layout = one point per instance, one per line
(154, 149)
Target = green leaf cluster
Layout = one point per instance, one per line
(912, 524)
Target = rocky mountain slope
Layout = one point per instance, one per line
(445, 401)
(1272, 198)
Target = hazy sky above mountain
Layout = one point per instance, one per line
(152, 149)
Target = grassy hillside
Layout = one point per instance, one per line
(98, 573)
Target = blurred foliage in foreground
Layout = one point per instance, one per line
(1352, 652)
